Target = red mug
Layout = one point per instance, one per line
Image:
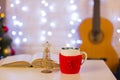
(71, 60)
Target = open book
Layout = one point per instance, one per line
(26, 60)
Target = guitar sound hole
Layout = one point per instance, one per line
(97, 59)
(97, 38)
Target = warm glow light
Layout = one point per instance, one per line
(46, 4)
(52, 8)
(43, 13)
(119, 39)
(25, 8)
(17, 1)
(69, 35)
(42, 38)
(74, 16)
(71, 23)
(52, 24)
(43, 32)
(68, 45)
(71, 1)
(43, 1)
(11, 5)
(24, 39)
(17, 41)
(13, 33)
(20, 33)
(79, 20)
(17, 23)
(79, 41)
(49, 33)
(43, 20)
(118, 30)
(13, 17)
(73, 7)
(73, 31)
(118, 19)
(73, 42)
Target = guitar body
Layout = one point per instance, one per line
(102, 49)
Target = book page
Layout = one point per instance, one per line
(16, 58)
(37, 60)
(36, 56)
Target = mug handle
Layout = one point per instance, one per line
(84, 53)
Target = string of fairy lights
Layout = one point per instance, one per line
(48, 20)
(46, 9)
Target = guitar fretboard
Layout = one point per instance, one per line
(96, 17)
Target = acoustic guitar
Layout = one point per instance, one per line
(96, 34)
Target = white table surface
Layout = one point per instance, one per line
(90, 70)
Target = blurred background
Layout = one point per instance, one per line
(25, 25)
(32, 23)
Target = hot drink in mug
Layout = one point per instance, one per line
(71, 59)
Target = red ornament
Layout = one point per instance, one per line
(5, 28)
(12, 51)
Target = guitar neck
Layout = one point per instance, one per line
(96, 17)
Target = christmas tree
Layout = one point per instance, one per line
(5, 40)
